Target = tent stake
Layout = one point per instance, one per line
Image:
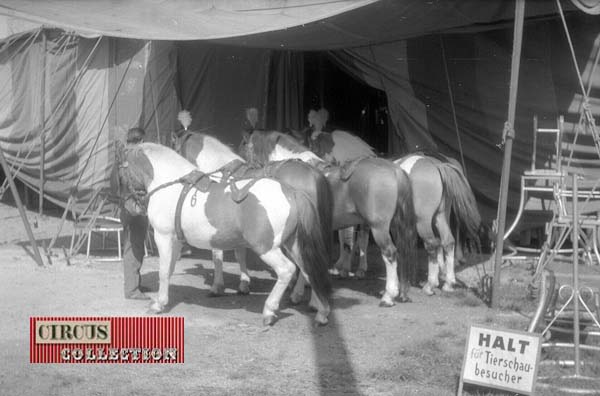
(15, 193)
(508, 136)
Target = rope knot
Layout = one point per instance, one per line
(507, 132)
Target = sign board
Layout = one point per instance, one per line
(501, 359)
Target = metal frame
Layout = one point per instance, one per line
(574, 294)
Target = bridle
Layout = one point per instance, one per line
(138, 195)
(178, 139)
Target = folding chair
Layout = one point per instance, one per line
(90, 221)
(546, 170)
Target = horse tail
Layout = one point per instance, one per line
(313, 244)
(462, 200)
(324, 205)
(403, 227)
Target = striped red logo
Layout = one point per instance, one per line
(106, 340)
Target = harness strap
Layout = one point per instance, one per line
(240, 194)
(184, 192)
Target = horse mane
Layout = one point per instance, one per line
(264, 143)
(136, 155)
(288, 142)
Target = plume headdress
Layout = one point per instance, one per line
(185, 118)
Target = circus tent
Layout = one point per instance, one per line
(74, 76)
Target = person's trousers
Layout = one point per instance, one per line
(134, 235)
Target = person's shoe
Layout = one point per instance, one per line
(137, 295)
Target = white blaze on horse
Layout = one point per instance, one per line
(211, 155)
(367, 191)
(279, 224)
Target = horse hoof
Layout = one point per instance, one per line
(386, 304)
(321, 320)
(244, 288)
(155, 309)
(269, 320)
(428, 290)
(360, 274)
(217, 291)
(448, 288)
(334, 272)
(403, 299)
(344, 274)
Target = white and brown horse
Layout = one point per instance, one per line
(278, 223)
(211, 155)
(370, 191)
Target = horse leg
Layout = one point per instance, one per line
(383, 239)
(285, 270)
(344, 263)
(218, 287)
(244, 287)
(448, 244)
(298, 291)
(363, 243)
(459, 254)
(434, 255)
(168, 251)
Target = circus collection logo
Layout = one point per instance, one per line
(106, 340)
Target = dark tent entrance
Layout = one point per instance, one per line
(218, 82)
(352, 105)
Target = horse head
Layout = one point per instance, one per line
(177, 139)
(246, 147)
(134, 173)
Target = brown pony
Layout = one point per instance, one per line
(367, 191)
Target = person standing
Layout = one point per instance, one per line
(135, 227)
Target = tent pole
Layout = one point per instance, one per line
(15, 193)
(508, 137)
(43, 132)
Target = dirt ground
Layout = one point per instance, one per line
(409, 349)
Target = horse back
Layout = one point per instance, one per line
(217, 219)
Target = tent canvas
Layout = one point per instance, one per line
(420, 54)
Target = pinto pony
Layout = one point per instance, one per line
(210, 155)
(278, 223)
(366, 191)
